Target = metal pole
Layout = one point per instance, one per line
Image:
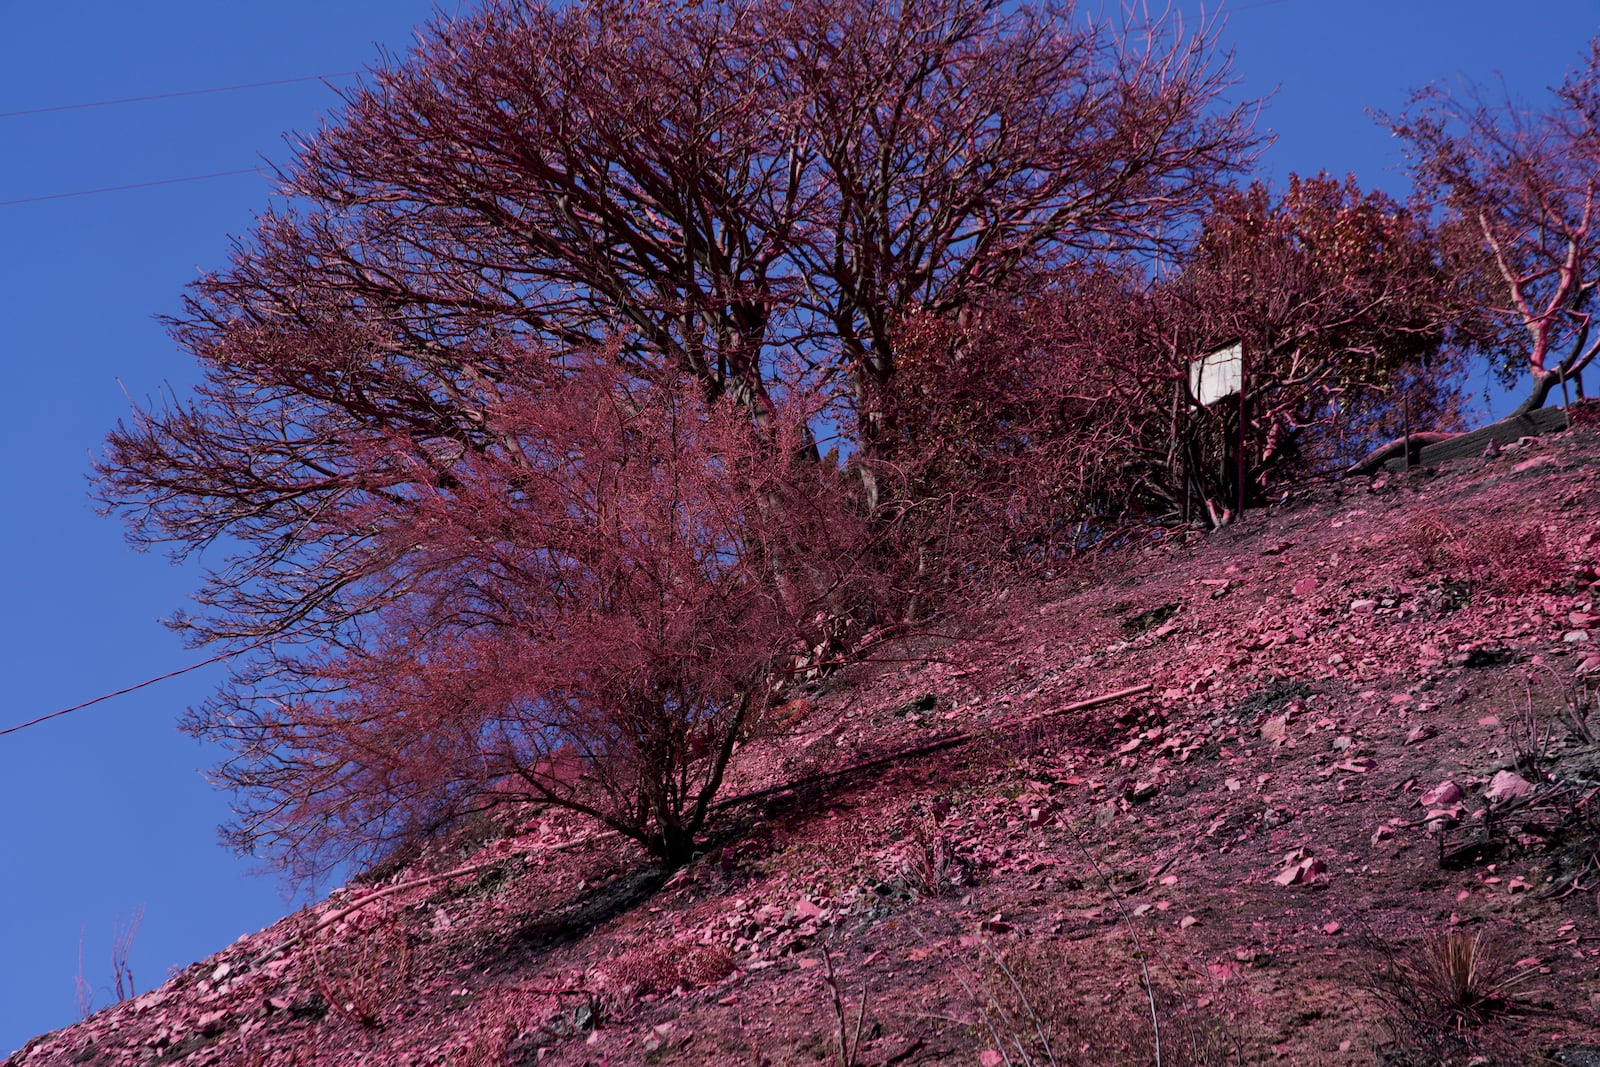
(1244, 380)
(1405, 408)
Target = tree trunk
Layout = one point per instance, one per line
(677, 846)
(1542, 384)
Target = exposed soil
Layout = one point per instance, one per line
(1275, 834)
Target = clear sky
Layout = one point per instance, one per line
(105, 811)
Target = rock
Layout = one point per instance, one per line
(1576, 637)
(1143, 791)
(1362, 607)
(1440, 819)
(1420, 734)
(1441, 795)
(658, 1037)
(1506, 786)
(1300, 873)
(1305, 587)
(1275, 728)
(1382, 833)
(1331, 928)
(806, 910)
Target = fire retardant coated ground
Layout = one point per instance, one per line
(1355, 819)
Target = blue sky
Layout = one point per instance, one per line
(106, 810)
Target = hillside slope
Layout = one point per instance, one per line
(1361, 748)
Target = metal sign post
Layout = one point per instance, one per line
(1219, 374)
(1243, 394)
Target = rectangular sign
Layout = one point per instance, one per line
(1217, 374)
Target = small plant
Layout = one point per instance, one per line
(1035, 1013)
(1450, 985)
(1530, 741)
(122, 986)
(484, 1046)
(932, 864)
(661, 968)
(1578, 707)
(357, 976)
(82, 990)
(121, 944)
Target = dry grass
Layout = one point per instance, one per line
(1036, 1011)
(357, 976)
(1444, 994)
(662, 968)
(1497, 554)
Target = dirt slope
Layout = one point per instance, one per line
(1359, 748)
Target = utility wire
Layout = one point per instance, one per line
(218, 658)
(129, 689)
(180, 92)
(134, 185)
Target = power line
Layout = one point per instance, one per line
(180, 92)
(123, 692)
(133, 185)
(218, 658)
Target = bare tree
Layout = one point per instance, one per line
(745, 195)
(1520, 189)
(586, 614)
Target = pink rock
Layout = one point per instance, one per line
(1442, 795)
(1508, 785)
(1305, 587)
(806, 910)
(1360, 765)
(1300, 873)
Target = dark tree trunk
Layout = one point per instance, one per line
(1542, 385)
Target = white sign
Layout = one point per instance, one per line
(1218, 374)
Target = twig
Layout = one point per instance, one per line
(849, 1045)
(1127, 920)
(1016, 987)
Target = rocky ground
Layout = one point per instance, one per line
(1353, 819)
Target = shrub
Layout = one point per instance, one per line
(1442, 992)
